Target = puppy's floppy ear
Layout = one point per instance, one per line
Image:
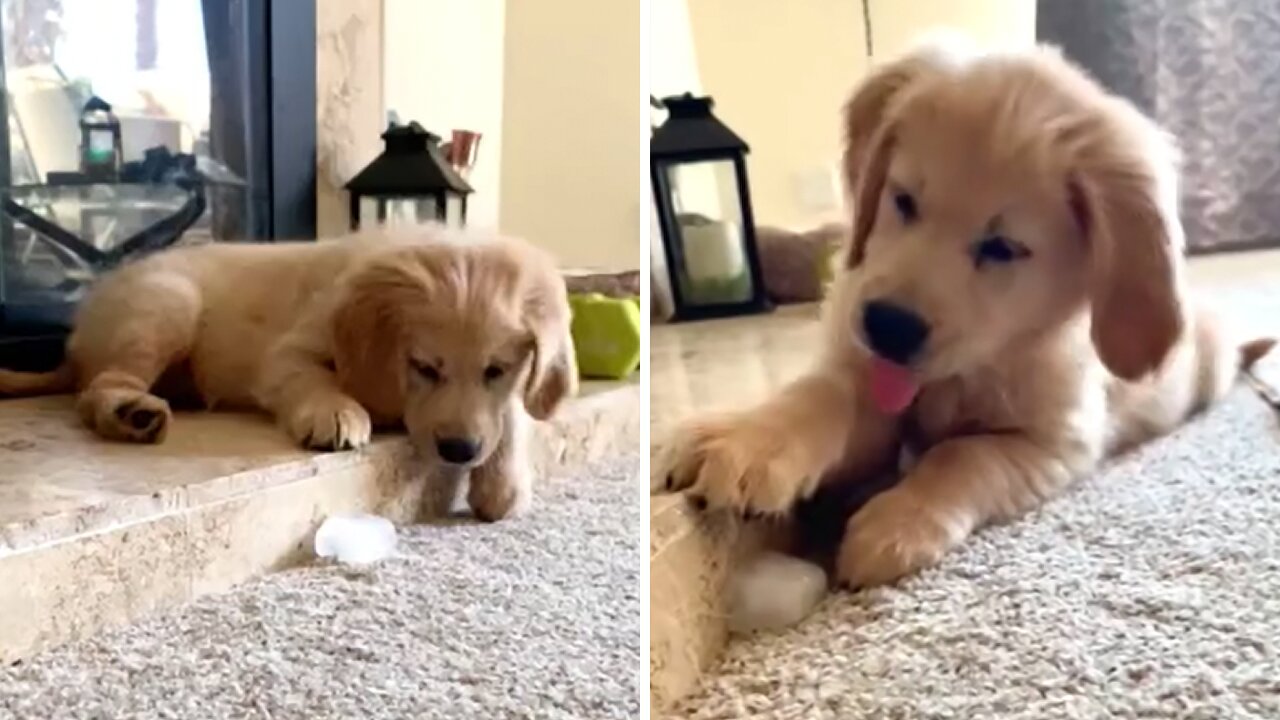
(368, 333)
(867, 138)
(866, 194)
(1124, 196)
(553, 374)
(865, 111)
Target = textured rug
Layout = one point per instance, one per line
(532, 618)
(1151, 590)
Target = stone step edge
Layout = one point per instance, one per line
(78, 586)
(123, 511)
(690, 557)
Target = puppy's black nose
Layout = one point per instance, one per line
(457, 450)
(893, 332)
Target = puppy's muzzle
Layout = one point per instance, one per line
(893, 332)
(457, 450)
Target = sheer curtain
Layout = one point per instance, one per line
(1209, 71)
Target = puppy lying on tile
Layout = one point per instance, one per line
(458, 339)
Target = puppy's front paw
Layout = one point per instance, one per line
(330, 422)
(895, 534)
(499, 488)
(731, 462)
(498, 501)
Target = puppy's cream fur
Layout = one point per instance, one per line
(1035, 370)
(450, 336)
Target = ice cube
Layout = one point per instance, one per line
(774, 591)
(355, 539)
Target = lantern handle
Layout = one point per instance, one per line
(96, 103)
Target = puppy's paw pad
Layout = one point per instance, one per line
(334, 422)
(136, 417)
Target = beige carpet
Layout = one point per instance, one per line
(1150, 591)
(531, 618)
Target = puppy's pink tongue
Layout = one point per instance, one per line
(892, 386)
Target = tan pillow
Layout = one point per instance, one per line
(615, 285)
(794, 264)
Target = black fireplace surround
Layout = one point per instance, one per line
(262, 59)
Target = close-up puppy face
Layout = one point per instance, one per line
(995, 199)
(454, 340)
(972, 246)
(462, 381)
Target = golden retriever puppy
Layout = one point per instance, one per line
(454, 337)
(1010, 308)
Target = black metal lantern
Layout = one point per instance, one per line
(699, 173)
(411, 181)
(101, 148)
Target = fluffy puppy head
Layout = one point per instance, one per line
(452, 337)
(994, 198)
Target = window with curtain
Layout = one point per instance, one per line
(1209, 72)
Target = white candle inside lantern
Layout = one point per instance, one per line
(712, 248)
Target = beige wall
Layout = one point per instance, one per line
(780, 72)
(553, 85)
(673, 70)
(993, 23)
(673, 59)
(444, 69)
(349, 115)
(570, 175)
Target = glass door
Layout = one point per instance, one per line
(219, 90)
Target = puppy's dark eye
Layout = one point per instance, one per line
(996, 249)
(494, 372)
(906, 205)
(428, 372)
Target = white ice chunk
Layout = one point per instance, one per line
(356, 539)
(774, 591)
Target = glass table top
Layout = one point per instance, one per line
(54, 239)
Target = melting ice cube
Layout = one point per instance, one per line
(355, 539)
(774, 591)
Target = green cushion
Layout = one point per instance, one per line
(606, 335)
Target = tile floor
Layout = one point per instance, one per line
(57, 479)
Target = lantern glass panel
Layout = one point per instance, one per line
(410, 210)
(102, 145)
(453, 210)
(368, 210)
(707, 209)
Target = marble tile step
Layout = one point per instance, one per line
(690, 557)
(688, 561)
(96, 534)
